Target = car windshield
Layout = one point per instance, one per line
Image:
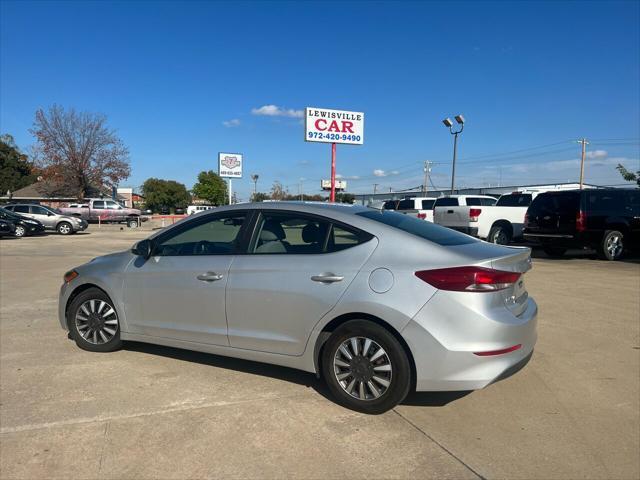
(427, 230)
(4, 213)
(55, 210)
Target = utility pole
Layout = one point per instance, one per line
(375, 188)
(584, 154)
(427, 172)
(300, 189)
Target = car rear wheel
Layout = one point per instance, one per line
(64, 228)
(500, 235)
(93, 322)
(555, 252)
(132, 223)
(20, 231)
(365, 367)
(612, 246)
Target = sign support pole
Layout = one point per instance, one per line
(332, 198)
(230, 194)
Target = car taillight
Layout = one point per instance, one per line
(526, 220)
(581, 221)
(469, 279)
(474, 213)
(422, 216)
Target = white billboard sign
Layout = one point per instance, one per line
(334, 126)
(230, 165)
(340, 184)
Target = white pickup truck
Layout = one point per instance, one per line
(421, 207)
(461, 212)
(499, 223)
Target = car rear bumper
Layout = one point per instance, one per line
(443, 337)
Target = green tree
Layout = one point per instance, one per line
(260, 197)
(627, 175)
(345, 198)
(78, 149)
(15, 170)
(278, 192)
(165, 193)
(211, 187)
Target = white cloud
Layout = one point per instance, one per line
(381, 173)
(597, 154)
(234, 122)
(275, 111)
(348, 177)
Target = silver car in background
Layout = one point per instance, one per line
(51, 218)
(375, 302)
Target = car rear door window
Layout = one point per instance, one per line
(428, 204)
(299, 234)
(217, 235)
(38, 210)
(98, 205)
(22, 209)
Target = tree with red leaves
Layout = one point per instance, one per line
(78, 150)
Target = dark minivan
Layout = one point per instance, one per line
(607, 220)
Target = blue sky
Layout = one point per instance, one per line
(179, 82)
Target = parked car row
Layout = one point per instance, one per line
(18, 225)
(51, 218)
(104, 211)
(607, 220)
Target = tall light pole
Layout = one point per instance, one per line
(448, 123)
(254, 179)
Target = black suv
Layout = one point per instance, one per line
(605, 219)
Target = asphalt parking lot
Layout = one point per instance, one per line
(156, 412)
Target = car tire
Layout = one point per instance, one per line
(93, 322)
(64, 228)
(370, 382)
(612, 245)
(132, 223)
(555, 252)
(500, 235)
(20, 231)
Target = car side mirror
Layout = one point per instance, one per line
(144, 248)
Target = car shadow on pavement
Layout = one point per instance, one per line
(424, 399)
(577, 254)
(247, 366)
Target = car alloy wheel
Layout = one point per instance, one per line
(20, 231)
(96, 321)
(614, 245)
(64, 228)
(362, 368)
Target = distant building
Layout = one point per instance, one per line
(48, 193)
(368, 198)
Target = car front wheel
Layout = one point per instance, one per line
(365, 367)
(65, 228)
(93, 322)
(132, 223)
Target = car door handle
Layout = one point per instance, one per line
(327, 278)
(209, 277)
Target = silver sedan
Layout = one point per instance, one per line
(375, 302)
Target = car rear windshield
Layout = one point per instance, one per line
(446, 202)
(555, 202)
(427, 230)
(428, 204)
(406, 205)
(515, 200)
